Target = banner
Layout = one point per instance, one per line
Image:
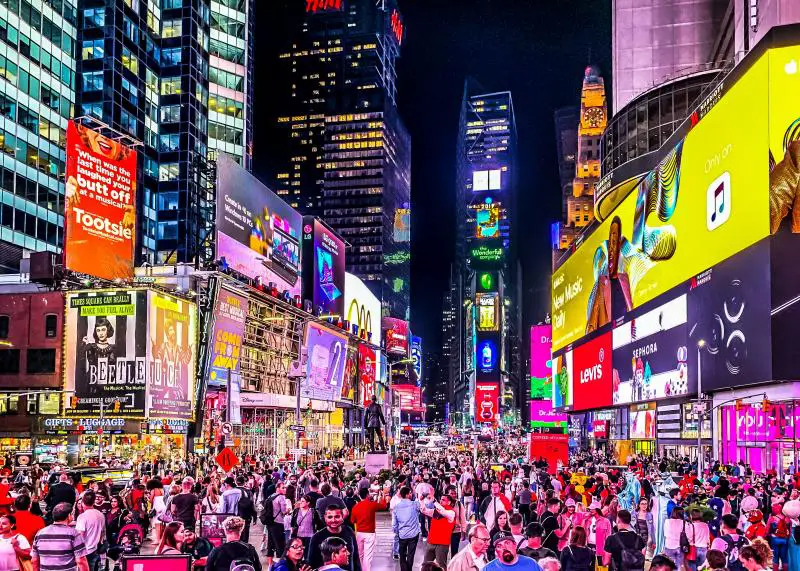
(367, 371)
(395, 332)
(487, 402)
(100, 205)
(173, 339)
(258, 234)
(543, 415)
(327, 353)
(106, 342)
(230, 313)
(350, 377)
(323, 268)
(592, 386)
(362, 310)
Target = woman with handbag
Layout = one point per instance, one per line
(15, 551)
(700, 540)
(674, 536)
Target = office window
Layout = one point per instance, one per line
(5, 320)
(94, 17)
(170, 85)
(226, 79)
(169, 143)
(8, 70)
(150, 167)
(133, 5)
(31, 15)
(41, 361)
(9, 364)
(93, 109)
(172, 28)
(171, 4)
(127, 122)
(92, 81)
(130, 29)
(9, 34)
(130, 61)
(28, 119)
(92, 49)
(130, 91)
(170, 113)
(171, 56)
(168, 171)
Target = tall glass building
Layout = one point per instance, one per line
(37, 95)
(175, 75)
(347, 153)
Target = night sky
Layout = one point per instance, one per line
(537, 49)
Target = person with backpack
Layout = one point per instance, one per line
(730, 542)
(246, 508)
(272, 516)
(576, 556)
(234, 554)
(779, 527)
(625, 548)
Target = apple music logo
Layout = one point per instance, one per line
(718, 201)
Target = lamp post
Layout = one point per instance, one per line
(700, 345)
(391, 397)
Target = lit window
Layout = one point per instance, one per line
(168, 171)
(172, 28)
(170, 85)
(130, 61)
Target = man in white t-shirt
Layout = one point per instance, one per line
(92, 525)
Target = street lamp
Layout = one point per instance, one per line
(701, 343)
(391, 393)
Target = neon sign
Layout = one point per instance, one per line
(314, 6)
(397, 26)
(487, 254)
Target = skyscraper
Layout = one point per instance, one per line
(347, 152)
(176, 77)
(37, 96)
(566, 123)
(486, 266)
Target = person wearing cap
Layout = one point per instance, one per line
(598, 528)
(473, 556)
(533, 548)
(185, 506)
(567, 522)
(507, 557)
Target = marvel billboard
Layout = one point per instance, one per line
(592, 371)
(100, 204)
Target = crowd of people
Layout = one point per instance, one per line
(502, 512)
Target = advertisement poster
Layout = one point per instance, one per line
(488, 305)
(257, 233)
(350, 377)
(651, 357)
(553, 448)
(416, 356)
(542, 388)
(367, 371)
(542, 414)
(106, 341)
(327, 353)
(487, 353)
(409, 396)
(730, 312)
(643, 422)
(402, 225)
(562, 380)
(173, 339)
(100, 204)
(363, 310)
(706, 200)
(230, 312)
(323, 268)
(487, 402)
(487, 220)
(593, 371)
(541, 367)
(395, 332)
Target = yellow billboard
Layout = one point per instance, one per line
(706, 200)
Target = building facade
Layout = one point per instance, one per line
(37, 59)
(347, 153)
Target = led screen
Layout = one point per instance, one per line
(487, 402)
(487, 221)
(395, 332)
(327, 353)
(225, 347)
(100, 205)
(487, 354)
(643, 422)
(323, 268)
(367, 370)
(257, 233)
(543, 414)
(541, 367)
(416, 356)
(562, 380)
(488, 305)
(362, 310)
(592, 370)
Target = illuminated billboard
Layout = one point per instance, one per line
(487, 354)
(315, 6)
(487, 220)
(395, 333)
(592, 373)
(258, 234)
(362, 310)
(643, 421)
(562, 380)
(416, 356)
(327, 353)
(488, 305)
(402, 225)
(484, 254)
(706, 200)
(137, 347)
(543, 415)
(100, 205)
(487, 402)
(323, 268)
(367, 370)
(486, 281)
(540, 351)
(227, 332)
(651, 357)
(410, 397)
(486, 180)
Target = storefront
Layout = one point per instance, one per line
(601, 428)
(643, 428)
(676, 429)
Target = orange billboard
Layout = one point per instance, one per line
(100, 205)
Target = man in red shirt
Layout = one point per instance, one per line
(443, 520)
(27, 523)
(363, 518)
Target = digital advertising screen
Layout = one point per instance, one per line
(395, 333)
(350, 377)
(486, 281)
(593, 371)
(172, 324)
(542, 388)
(487, 353)
(705, 201)
(106, 340)
(367, 370)
(401, 230)
(562, 380)
(643, 422)
(258, 234)
(362, 310)
(651, 357)
(416, 356)
(323, 268)
(487, 402)
(540, 351)
(488, 305)
(729, 311)
(100, 205)
(487, 220)
(327, 353)
(227, 332)
(785, 283)
(409, 396)
(543, 414)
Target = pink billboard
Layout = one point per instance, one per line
(542, 411)
(541, 337)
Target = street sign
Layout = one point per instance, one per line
(297, 428)
(227, 459)
(298, 451)
(226, 428)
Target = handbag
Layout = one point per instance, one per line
(691, 555)
(685, 545)
(25, 564)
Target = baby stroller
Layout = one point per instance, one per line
(129, 542)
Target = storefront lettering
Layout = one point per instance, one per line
(74, 423)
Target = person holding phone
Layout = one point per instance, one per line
(292, 559)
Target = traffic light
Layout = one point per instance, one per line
(73, 402)
(765, 406)
(739, 405)
(117, 406)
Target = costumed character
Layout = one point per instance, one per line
(791, 509)
(662, 487)
(749, 503)
(629, 496)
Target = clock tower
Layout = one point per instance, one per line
(593, 121)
